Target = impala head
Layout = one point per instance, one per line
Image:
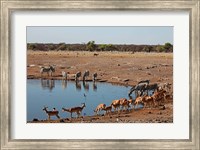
(63, 109)
(45, 108)
(83, 104)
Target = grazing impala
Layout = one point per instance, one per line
(99, 108)
(77, 110)
(158, 97)
(131, 104)
(124, 103)
(51, 113)
(148, 101)
(116, 105)
(108, 109)
(138, 100)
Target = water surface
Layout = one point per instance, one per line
(58, 94)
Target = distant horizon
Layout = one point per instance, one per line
(155, 35)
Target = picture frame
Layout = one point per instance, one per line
(8, 7)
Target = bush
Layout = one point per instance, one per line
(160, 48)
(31, 46)
(91, 46)
(168, 47)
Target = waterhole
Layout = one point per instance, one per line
(58, 94)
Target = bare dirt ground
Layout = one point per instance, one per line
(124, 68)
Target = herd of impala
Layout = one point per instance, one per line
(157, 99)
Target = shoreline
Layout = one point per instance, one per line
(88, 80)
(140, 115)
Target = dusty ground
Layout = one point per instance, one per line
(115, 67)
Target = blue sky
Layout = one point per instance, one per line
(101, 35)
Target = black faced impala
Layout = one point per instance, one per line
(51, 113)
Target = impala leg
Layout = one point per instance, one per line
(58, 116)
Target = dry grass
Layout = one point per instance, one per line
(104, 54)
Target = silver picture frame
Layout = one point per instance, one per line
(8, 7)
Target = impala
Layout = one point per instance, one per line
(116, 105)
(77, 110)
(51, 113)
(108, 109)
(99, 108)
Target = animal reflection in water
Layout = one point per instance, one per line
(86, 85)
(78, 85)
(94, 86)
(64, 84)
(48, 84)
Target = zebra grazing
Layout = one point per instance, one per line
(140, 87)
(153, 87)
(78, 75)
(48, 70)
(86, 74)
(94, 76)
(64, 75)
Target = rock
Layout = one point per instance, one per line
(62, 67)
(32, 65)
(125, 80)
(162, 107)
(61, 120)
(35, 119)
(115, 78)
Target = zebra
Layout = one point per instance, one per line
(143, 87)
(77, 75)
(86, 74)
(94, 76)
(140, 87)
(64, 75)
(144, 81)
(48, 70)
